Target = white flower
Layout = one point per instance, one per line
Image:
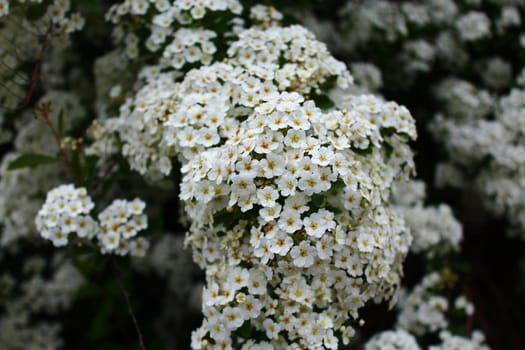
(473, 26)
(267, 196)
(303, 254)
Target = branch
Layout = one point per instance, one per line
(130, 309)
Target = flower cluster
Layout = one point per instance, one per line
(425, 309)
(289, 218)
(497, 146)
(460, 40)
(119, 224)
(307, 62)
(420, 36)
(401, 340)
(455, 342)
(288, 171)
(161, 19)
(36, 289)
(422, 311)
(434, 228)
(190, 46)
(167, 119)
(392, 340)
(66, 211)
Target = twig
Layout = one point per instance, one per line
(104, 176)
(36, 70)
(42, 112)
(130, 309)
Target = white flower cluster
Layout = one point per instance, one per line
(454, 342)
(422, 311)
(56, 13)
(120, 223)
(190, 46)
(167, 119)
(162, 20)
(308, 63)
(66, 211)
(425, 312)
(392, 340)
(35, 290)
(495, 146)
(434, 228)
(462, 100)
(399, 339)
(289, 217)
(50, 294)
(425, 309)
(473, 26)
(265, 16)
(434, 33)
(271, 179)
(288, 202)
(367, 16)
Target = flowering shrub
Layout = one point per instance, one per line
(210, 169)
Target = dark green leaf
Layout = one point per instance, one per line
(363, 152)
(317, 200)
(29, 160)
(339, 184)
(324, 102)
(334, 210)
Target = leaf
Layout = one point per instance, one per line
(324, 102)
(338, 185)
(317, 200)
(29, 160)
(362, 152)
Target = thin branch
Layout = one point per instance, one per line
(130, 308)
(104, 176)
(36, 70)
(44, 110)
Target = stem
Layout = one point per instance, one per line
(104, 176)
(44, 116)
(130, 308)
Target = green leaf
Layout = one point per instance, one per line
(29, 160)
(334, 210)
(317, 200)
(362, 152)
(338, 185)
(388, 149)
(324, 102)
